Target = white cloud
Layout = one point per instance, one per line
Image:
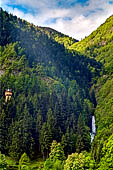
(84, 19)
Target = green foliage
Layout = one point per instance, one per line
(48, 165)
(57, 152)
(82, 161)
(106, 161)
(83, 136)
(68, 142)
(24, 162)
(3, 163)
(58, 165)
(45, 139)
(75, 161)
(89, 161)
(51, 75)
(99, 45)
(103, 112)
(59, 37)
(48, 87)
(56, 157)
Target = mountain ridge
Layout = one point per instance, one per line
(99, 45)
(57, 84)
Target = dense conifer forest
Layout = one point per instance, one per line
(57, 85)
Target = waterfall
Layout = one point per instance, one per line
(93, 132)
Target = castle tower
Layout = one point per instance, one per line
(8, 94)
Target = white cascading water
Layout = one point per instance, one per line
(93, 128)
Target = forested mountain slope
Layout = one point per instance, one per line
(54, 80)
(99, 45)
(50, 91)
(58, 37)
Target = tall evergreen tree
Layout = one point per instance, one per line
(83, 136)
(45, 140)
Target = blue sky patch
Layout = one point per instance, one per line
(48, 12)
(92, 12)
(66, 4)
(89, 13)
(24, 9)
(51, 21)
(70, 3)
(67, 18)
(110, 2)
(82, 2)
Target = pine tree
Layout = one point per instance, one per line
(69, 142)
(56, 157)
(83, 136)
(39, 123)
(51, 122)
(57, 152)
(3, 131)
(45, 140)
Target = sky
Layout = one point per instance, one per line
(76, 18)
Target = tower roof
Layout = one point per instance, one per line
(8, 92)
